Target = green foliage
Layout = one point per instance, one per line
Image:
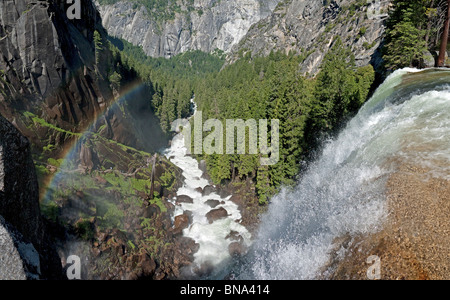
(406, 34)
(55, 162)
(171, 80)
(272, 88)
(98, 44)
(255, 88)
(115, 80)
(51, 211)
(85, 230)
(113, 216)
(339, 89)
(37, 121)
(405, 47)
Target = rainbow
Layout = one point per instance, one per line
(71, 150)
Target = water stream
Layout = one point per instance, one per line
(342, 192)
(213, 238)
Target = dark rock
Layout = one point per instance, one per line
(223, 192)
(216, 214)
(202, 166)
(213, 203)
(237, 249)
(207, 190)
(88, 157)
(184, 199)
(152, 211)
(235, 236)
(199, 189)
(19, 191)
(148, 266)
(181, 222)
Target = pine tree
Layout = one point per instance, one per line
(444, 42)
(406, 33)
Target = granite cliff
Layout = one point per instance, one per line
(26, 251)
(204, 25)
(309, 27)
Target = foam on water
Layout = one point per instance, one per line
(343, 192)
(213, 239)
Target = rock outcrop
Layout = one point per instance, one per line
(49, 64)
(204, 25)
(19, 192)
(19, 260)
(53, 68)
(25, 251)
(309, 27)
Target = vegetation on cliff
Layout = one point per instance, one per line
(414, 27)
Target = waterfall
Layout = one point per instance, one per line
(344, 191)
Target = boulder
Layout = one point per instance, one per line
(234, 236)
(429, 60)
(237, 249)
(184, 199)
(181, 223)
(213, 203)
(238, 200)
(216, 214)
(209, 189)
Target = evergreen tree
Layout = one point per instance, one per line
(406, 34)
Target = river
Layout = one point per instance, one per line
(342, 193)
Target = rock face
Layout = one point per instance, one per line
(49, 61)
(24, 246)
(19, 193)
(52, 68)
(310, 26)
(204, 25)
(19, 260)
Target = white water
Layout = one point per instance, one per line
(212, 238)
(343, 192)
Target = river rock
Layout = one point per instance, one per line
(213, 203)
(235, 237)
(237, 249)
(429, 60)
(209, 189)
(181, 223)
(184, 199)
(216, 214)
(202, 166)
